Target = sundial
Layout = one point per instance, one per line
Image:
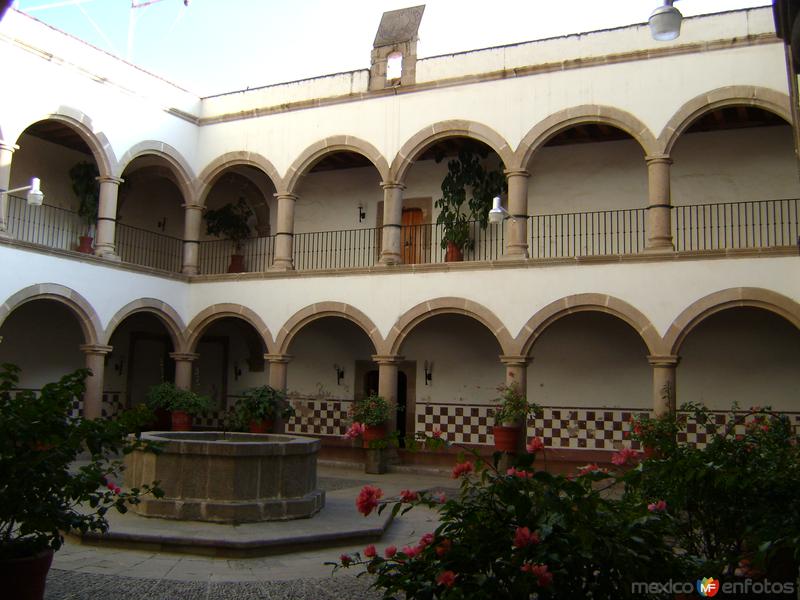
(399, 26)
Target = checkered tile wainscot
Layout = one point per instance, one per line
(319, 417)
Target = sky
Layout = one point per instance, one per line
(216, 46)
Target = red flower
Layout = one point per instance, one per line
(367, 499)
(522, 474)
(346, 560)
(426, 540)
(535, 445)
(411, 552)
(624, 456)
(390, 551)
(111, 485)
(446, 578)
(659, 506)
(356, 430)
(117, 491)
(592, 468)
(543, 576)
(437, 433)
(462, 469)
(443, 548)
(409, 496)
(370, 551)
(523, 537)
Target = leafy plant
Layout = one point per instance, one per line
(514, 407)
(261, 403)
(456, 209)
(86, 188)
(372, 411)
(169, 397)
(42, 494)
(230, 221)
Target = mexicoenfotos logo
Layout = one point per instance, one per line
(707, 587)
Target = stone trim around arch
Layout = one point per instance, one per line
(98, 143)
(734, 95)
(168, 316)
(698, 311)
(448, 305)
(184, 175)
(603, 303)
(207, 316)
(421, 140)
(320, 310)
(86, 315)
(216, 167)
(329, 145)
(577, 115)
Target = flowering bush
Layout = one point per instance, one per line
(371, 411)
(260, 404)
(514, 408)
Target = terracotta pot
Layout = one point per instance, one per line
(264, 426)
(373, 433)
(86, 244)
(237, 263)
(181, 421)
(454, 253)
(506, 439)
(24, 578)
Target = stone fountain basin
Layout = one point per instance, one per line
(228, 477)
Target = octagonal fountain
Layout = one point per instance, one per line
(228, 477)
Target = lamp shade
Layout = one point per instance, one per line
(665, 23)
(497, 213)
(35, 195)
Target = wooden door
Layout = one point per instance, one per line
(412, 235)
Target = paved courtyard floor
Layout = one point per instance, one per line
(86, 572)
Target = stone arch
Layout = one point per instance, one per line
(734, 95)
(87, 316)
(699, 310)
(446, 129)
(458, 306)
(168, 316)
(587, 113)
(97, 141)
(327, 309)
(219, 311)
(210, 173)
(335, 143)
(184, 176)
(583, 303)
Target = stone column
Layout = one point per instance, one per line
(387, 384)
(391, 252)
(517, 231)
(278, 371)
(93, 396)
(664, 368)
(659, 209)
(192, 219)
(284, 233)
(183, 368)
(107, 218)
(6, 152)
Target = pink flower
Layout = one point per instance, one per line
(346, 560)
(522, 474)
(443, 548)
(426, 540)
(411, 552)
(535, 445)
(543, 576)
(370, 551)
(117, 491)
(390, 551)
(437, 433)
(460, 469)
(368, 498)
(111, 485)
(523, 537)
(624, 456)
(659, 506)
(441, 497)
(356, 430)
(446, 578)
(592, 468)
(409, 496)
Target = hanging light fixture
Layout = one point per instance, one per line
(665, 22)
(35, 195)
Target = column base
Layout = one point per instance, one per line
(4, 235)
(515, 252)
(190, 270)
(390, 259)
(659, 247)
(282, 266)
(110, 256)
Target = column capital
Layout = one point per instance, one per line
(388, 359)
(393, 185)
(285, 195)
(514, 360)
(278, 358)
(654, 159)
(96, 349)
(8, 147)
(666, 360)
(184, 356)
(516, 173)
(109, 179)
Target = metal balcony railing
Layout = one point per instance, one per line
(149, 248)
(44, 225)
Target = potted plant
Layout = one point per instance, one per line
(371, 414)
(42, 492)
(183, 404)
(456, 212)
(511, 416)
(86, 187)
(230, 222)
(258, 407)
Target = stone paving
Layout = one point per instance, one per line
(85, 572)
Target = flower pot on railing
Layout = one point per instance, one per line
(237, 263)
(86, 244)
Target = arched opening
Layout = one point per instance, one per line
(734, 181)
(59, 156)
(394, 68)
(743, 355)
(589, 371)
(587, 193)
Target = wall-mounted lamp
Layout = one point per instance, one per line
(162, 224)
(362, 214)
(428, 372)
(498, 213)
(35, 195)
(119, 365)
(665, 22)
(339, 374)
(237, 372)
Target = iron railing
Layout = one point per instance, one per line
(45, 225)
(423, 243)
(346, 249)
(215, 255)
(149, 248)
(755, 224)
